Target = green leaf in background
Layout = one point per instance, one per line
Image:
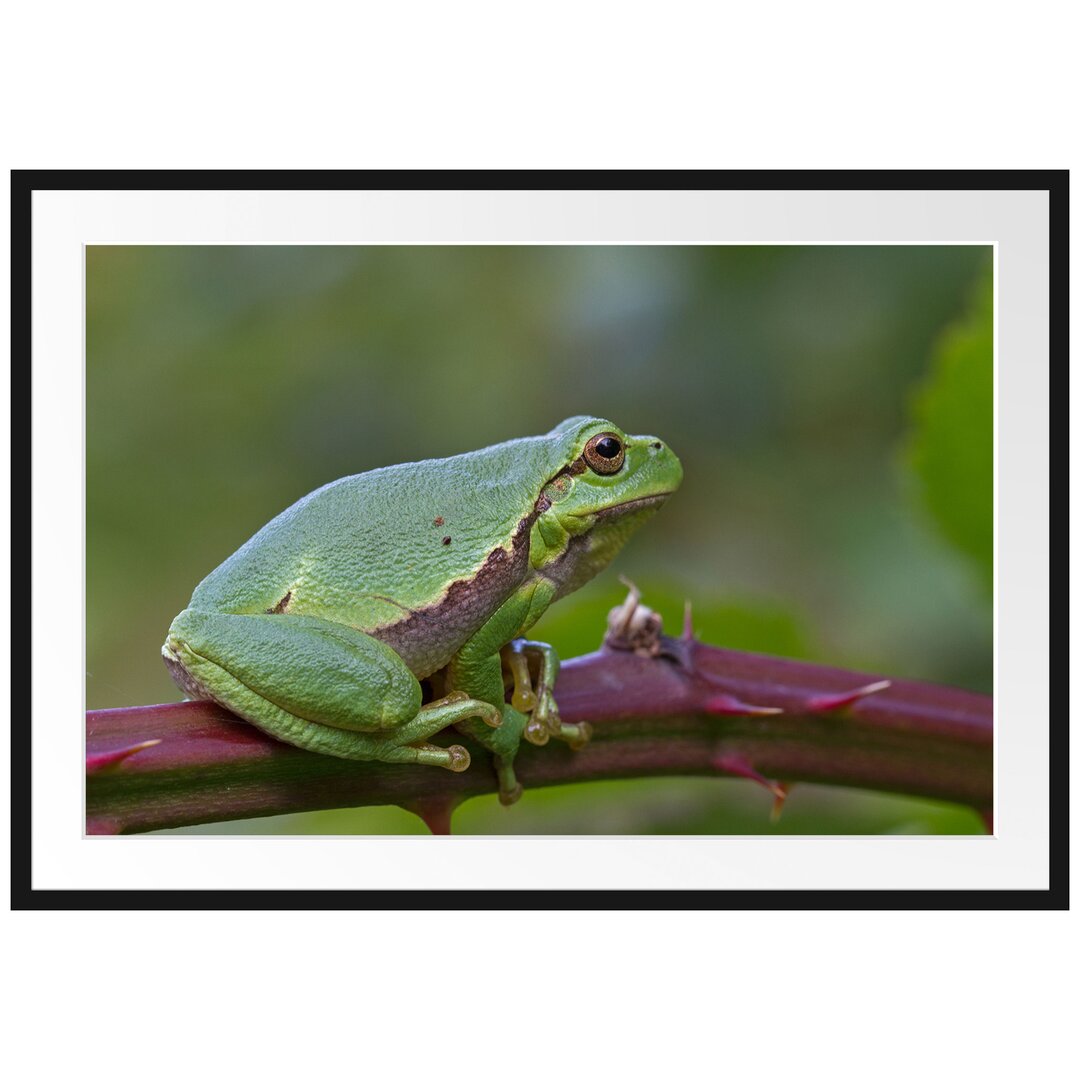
(950, 448)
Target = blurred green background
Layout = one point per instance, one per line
(832, 407)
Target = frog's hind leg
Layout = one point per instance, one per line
(316, 684)
(432, 718)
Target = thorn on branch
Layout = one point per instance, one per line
(833, 702)
(779, 801)
(105, 759)
(728, 705)
(737, 765)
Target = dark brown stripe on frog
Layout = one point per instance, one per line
(430, 636)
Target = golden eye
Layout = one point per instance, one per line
(605, 454)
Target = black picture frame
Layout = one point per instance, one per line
(24, 183)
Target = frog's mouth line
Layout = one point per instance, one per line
(642, 503)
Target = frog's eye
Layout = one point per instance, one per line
(604, 454)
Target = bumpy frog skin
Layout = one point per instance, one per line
(320, 628)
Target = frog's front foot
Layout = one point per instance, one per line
(546, 712)
(509, 788)
(575, 735)
(542, 728)
(536, 697)
(508, 798)
(536, 732)
(544, 724)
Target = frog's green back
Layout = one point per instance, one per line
(371, 549)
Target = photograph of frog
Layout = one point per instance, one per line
(378, 508)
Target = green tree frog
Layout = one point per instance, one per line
(321, 627)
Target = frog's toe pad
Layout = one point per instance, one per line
(576, 735)
(459, 758)
(508, 798)
(524, 700)
(536, 733)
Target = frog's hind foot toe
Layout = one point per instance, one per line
(459, 759)
(455, 758)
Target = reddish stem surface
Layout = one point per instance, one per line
(693, 710)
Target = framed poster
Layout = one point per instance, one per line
(853, 369)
